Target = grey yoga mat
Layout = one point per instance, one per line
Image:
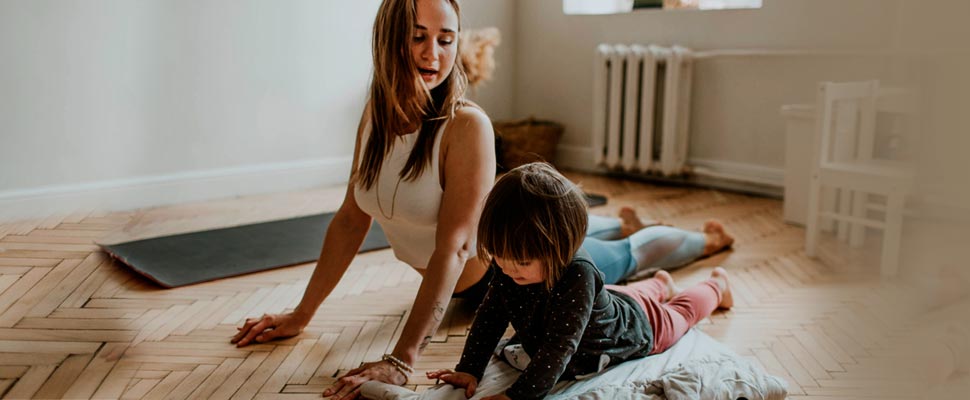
(189, 258)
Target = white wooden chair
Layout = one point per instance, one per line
(843, 160)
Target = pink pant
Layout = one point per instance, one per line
(671, 320)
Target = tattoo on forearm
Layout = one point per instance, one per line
(439, 311)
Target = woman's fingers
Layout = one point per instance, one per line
(243, 330)
(355, 394)
(333, 389)
(265, 323)
(470, 390)
(336, 388)
(266, 328)
(358, 370)
(347, 386)
(267, 335)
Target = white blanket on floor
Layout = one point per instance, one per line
(697, 367)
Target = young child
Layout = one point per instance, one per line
(566, 319)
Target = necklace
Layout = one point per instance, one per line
(393, 199)
(394, 196)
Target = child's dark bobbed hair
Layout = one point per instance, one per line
(533, 213)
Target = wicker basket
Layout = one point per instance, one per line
(527, 140)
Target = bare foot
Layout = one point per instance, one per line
(720, 276)
(717, 238)
(631, 223)
(668, 280)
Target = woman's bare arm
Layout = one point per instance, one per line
(344, 236)
(469, 172)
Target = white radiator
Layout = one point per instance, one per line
(641, 108)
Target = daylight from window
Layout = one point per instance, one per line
(623, 6)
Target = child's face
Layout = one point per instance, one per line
(522, 272)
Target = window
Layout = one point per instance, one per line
(623, 6)
(596, 6)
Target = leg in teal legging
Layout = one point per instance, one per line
(650, 249)
(604, 228)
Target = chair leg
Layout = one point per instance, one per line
(857, 235)
(845, 208)
(892, 236)
(812, 220)
(827, 201)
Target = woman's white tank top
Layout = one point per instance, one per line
(407, 210)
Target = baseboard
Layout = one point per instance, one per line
(150, 191)
(729, 175)
(740, 177)
(741, 172)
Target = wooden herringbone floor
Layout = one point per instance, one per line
(74, 324)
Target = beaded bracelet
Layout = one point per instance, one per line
(401, 366)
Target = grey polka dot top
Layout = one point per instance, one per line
(565, 331)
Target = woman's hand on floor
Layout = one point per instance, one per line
(347, 387)
(456, 379)
(269, 327)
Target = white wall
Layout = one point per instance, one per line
(135, 103)
(206, 98)
(122, 104)
(735, 119)
(496, 95)
(936, 31)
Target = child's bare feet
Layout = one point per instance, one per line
(631, 223)
(720, 276)
(668, 280)
(716, 237)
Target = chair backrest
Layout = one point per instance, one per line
(845, 122)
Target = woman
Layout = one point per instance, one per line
(424, 162)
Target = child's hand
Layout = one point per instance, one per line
(497, 397)
(456, 379)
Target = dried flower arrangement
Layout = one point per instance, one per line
(478, 54)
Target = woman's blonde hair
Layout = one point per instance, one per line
(398, 97)
(533, 213)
